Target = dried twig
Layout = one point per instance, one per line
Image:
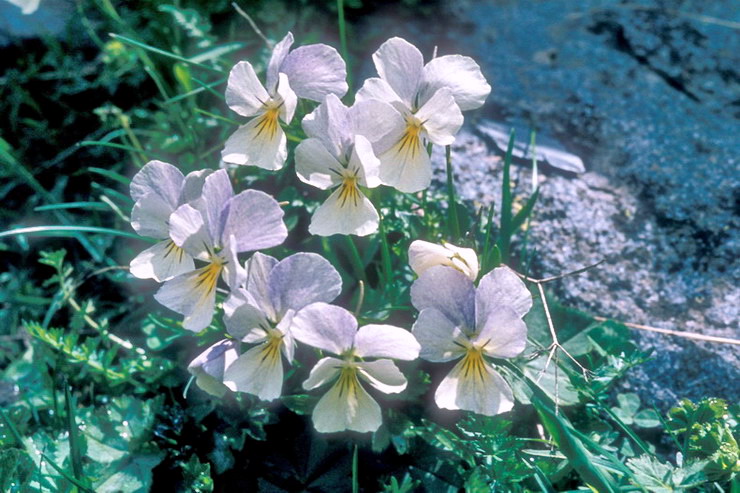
(677, 333)
(252, 24)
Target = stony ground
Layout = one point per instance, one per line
(646, 97)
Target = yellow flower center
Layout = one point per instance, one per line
(271, 347)
(348, 382)
(208, 276)
(473, 364)
(349, 190)
(267, 123)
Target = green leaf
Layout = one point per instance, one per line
(196, 476)
(16, 470)
(131, 475)
(301, 404)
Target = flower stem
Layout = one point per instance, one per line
(454, 227)
(343, 42)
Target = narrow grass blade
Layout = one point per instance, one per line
(110, 174)
(74, 434)
(454, 224)
(343, 42)
(505, 230)
(356, 260)
(69, 231)
(96, 206)
(521, 216)
(68, 476)
(355, 480)
(158, 51)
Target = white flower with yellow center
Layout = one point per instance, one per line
(214, 228)
(423, 255)
(209, 367)
(309, 72)
(347, 405)
(261, 311)
(157, 190)
(458, 321)
(429, 98)
(339, 155)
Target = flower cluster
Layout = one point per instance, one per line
(271, 306)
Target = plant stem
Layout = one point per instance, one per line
(454, 229)
(343, 42)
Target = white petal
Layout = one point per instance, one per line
(400, 64)
(324, 371)
(193, 295)
(461, 75)
(480, 389)
(314, 165)
(424, 255)
(288, 99)
(465, 260)
(210, 365)
(499, 287)
(330, 124)
(258, 269)
(188, 231)
(374, 120)
(192, 187)
(279, 52)
(449, 291)
(363, 160)
(259, 143)
(386, 341)
(326, 327)
(505, 333)
(259, 371)
(302, 279)
(158, 178)
(406, 165)
(345, 214)
(315, 71)
(378, 89)
(150, 216)
(241, 316)
(245, 94)
(216, 193)
(384, 375)
(437, 335)
(347, 406)
(255, 219)
(442, 117)
(161, 262)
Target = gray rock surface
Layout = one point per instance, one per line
(647, 97)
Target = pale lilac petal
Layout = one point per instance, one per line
(375, 120)
(242, 316)
(257, 143)
(209, 366)
(315, 165)
(406, 165)
(258, 269)
(315, 71)
(217, 191)
(461, 75)
(347, 406)
(288, 341)
(326, 327)
(193, 295)
(150, 216)
(245, 94)
(449, 291)
(386, 341)
(504, 331)
(483, 391)
(324, 371)
(437, 335)
(193, 186)
(499, 287)
(158, 178)
(256, 221)
(233, 273)
(378, 89)
(363, 160)
(279, 52)
(287, 98)
(188, 230)
(384, 375)
(259, 371)
(330, 124)
(161, 262)
(342, 215)
(302, 279)
(442, 118)
(400, 64)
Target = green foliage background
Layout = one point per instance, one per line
(93, 389)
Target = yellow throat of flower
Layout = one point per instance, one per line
(473, 364)
(270, 352)
(267, 123)
(348, 382)
(410, 143)
(349, 191)
(207, 278)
